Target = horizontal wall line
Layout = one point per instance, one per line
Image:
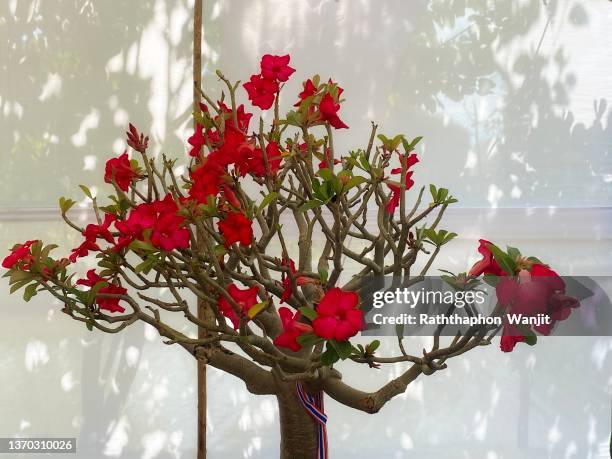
(509, 223)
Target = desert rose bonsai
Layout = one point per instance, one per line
(281, 314)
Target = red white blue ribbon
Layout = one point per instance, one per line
(314, 406)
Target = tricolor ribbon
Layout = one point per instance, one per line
(314, 406)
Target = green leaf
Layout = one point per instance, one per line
(491, 280)
(267, 200)
(220, 250)
(385, 141)
(147, 264)
(364, 162)
(410, 146)
(326, 174)
(323, 275)
(36, 248)
(18, 276)
(371, 348)
(256, 309)
(310, 205)
(17, 285)
(343, 348)
(449, 237)
(86, 190)
(330, 356)
(66, 204)
(399, 330)
(308, 312)
(530, 337)
(434, 192)
(336, 184)
(29, 292)
(90, 296)
(355, 181)
(141, 245)
(513, 252)
(505, 262)
(308, 339)
(452, 281)
(46, 250)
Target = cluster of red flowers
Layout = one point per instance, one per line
(322, 103)
(20, 256)
(532, 289)
(236, 227)
(159, 222)
(338, 317)
(92, 233)
(263, 87)
(213, 136)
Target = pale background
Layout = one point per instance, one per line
(512, 98)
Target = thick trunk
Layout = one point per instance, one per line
(298, 430)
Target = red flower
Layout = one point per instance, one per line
(328, 109)
(540, 291)
(286, 280)
(207, 180)
(522, 296)
(394, 198)
(292, 329)
(93, 232)
(168, 231)
(251, 160)
(324, 164)
(287, 288)
(231, 198)
(510, 336)
(487, 265)
(261, 91)
(309, 90)
(236, 227)
(338, 315)
(230, 151)
(276, 67)
(19, 253)
(120, 170)
(197, 141)
(245, 299)
(160, 217)
(83, 250)
(242, 117)
(109, 304)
